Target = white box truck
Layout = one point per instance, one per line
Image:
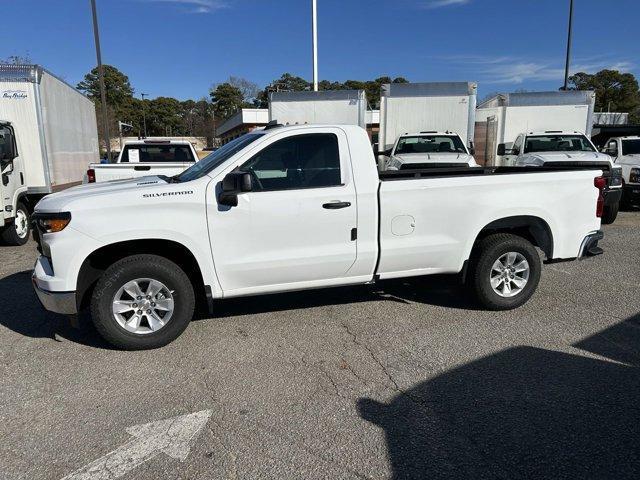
(341, 107)
(48, 135)
(502, 118)
(419, 107)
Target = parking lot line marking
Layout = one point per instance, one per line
(171, 436)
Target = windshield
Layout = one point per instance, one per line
(557, 143)
(631, 147)
(218, 157)
(430, 144)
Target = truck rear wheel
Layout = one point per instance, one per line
(142, 302)
(17, 233)
(610, 213)
(505, 271)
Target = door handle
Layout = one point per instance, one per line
(336, 205)
(142, 167)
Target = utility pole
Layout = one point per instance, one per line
(103, 95)
(566, 67)
(144, 118)
(314, 42)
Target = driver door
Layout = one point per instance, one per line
(294, 228)
(10, 173)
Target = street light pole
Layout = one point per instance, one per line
(566, 67)
(144, 118)
(314, 42)
(103, 95)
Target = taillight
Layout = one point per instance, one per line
(91, 175)
(600, 183)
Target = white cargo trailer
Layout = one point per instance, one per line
(503, 117)
(327, 107)
(418, 107)
(48, 136)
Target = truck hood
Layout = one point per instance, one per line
(541, 158)
(92, 192)
(435, 158)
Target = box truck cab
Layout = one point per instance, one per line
(625, 152)
(48, 135)
(429, 149)
(561, 148)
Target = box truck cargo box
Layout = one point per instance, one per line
(48, 136)
(503, 117)
(328, 107)
(417, 107)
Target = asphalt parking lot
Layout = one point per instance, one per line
(404, 380)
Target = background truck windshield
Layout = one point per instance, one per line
(430, 144)
(218, 157)
(631, 147)
(156, 153)
(557, 143)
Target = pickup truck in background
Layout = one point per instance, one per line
(625, 152)
(140, 158)
(566, 149)
(429, 149)
(300, 207)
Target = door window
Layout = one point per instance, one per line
(300, 161)
(517, 145)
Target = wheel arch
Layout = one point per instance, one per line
(100, 259)
(533, 228)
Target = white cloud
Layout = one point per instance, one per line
(444, 3)
(514, 70)
(197, 6)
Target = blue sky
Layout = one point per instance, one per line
(181, 47)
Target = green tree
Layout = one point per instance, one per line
(226, 100)
(615, 91)
(116, 84)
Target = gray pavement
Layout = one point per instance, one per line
(405, 380)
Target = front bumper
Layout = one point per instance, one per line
(631, 194)
(589, 246)
(57, 302)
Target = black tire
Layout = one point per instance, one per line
(610, 213)
(136, 267)
(485, 254)
(10, 235)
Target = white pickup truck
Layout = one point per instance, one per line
(140, 158)
(625, 152)
(299, 207)
(569, 149)
(429, 149)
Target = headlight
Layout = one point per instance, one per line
(634, 176)
(51, 222)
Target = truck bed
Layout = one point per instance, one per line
(429, 225)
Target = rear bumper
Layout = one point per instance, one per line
(612, 196)
(57, 302)
(589, 246)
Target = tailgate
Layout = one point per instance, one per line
(122, 171)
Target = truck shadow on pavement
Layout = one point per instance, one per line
(522, 413)
(438, 290)
(21, 311)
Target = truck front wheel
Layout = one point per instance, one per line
(142, 302)
(17, 233)
(505, 271)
